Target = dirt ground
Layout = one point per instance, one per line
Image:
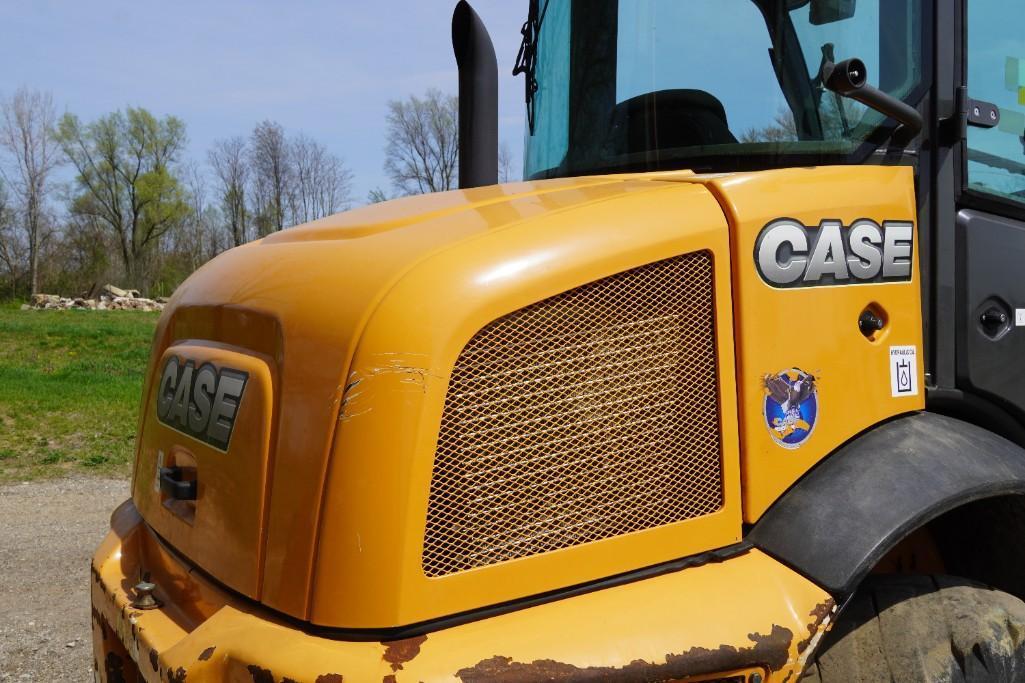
(48, 530)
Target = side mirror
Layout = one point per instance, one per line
(828, 11)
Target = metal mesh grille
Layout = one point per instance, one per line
(584, 416)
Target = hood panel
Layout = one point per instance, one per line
(298, 301)
(211, 417)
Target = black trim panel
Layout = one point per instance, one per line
(835, 524)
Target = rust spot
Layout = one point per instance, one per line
(100, 623)
(260, 675)
(177, 676)
(114, 668)
(769, 650)
(329, 678)
(206, 654)
(153, 659)
(390, 678)
(790, 674)
(401, 651)
(818, 615)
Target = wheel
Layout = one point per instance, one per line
(914, 629)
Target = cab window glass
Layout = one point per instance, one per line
(996, 74)
(551, 101)
(647, 85)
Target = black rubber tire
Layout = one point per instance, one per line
(915, 629)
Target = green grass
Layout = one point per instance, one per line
(70, 385)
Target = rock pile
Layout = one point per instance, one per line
(111, 299)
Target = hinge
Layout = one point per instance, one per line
(954, 128)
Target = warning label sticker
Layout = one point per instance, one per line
(903, 371)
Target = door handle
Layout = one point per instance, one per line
(171, 484)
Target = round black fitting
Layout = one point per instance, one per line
(869, 323)
(847, 76)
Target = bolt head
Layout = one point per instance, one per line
(144, 596)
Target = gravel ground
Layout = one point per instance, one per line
(48, 530)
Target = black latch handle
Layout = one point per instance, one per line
(171, 484)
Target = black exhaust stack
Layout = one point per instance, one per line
(478, 98)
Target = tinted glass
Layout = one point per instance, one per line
(652, 84)
(996, 74)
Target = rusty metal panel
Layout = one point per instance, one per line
(585, 416)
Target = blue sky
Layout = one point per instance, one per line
(327, 68)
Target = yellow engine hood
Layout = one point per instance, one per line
(290, 311)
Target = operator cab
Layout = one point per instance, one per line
(711, 85)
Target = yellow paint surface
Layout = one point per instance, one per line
(815, 329)
(670, 623)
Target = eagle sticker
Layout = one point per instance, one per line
(791, 406)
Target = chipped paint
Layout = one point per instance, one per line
(823, 615)
(819, 614)
(398, 652)
(177, 676)
(114, 668)
(770, 650)
(329, 678)
(153, 660)
(260, 675)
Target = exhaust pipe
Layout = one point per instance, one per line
(478, 98)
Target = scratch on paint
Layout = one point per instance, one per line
(360, 381)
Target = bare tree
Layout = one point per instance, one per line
(197, 238)
(126, 176)
(11, 251)
(505, 164)
(322, 185)
(422, 152)
(268, 153)
(230, 162)
(782, 129)
(27, 135)
(837, 116)
(376, 196)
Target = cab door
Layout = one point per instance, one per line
(990, 219)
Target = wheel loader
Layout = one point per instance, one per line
(730, 388)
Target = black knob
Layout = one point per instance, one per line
(869, 323)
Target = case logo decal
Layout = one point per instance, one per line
(791, 406)
(790, 254)
(202, 403)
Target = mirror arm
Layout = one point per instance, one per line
(850, 79)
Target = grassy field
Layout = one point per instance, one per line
(70, 384)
